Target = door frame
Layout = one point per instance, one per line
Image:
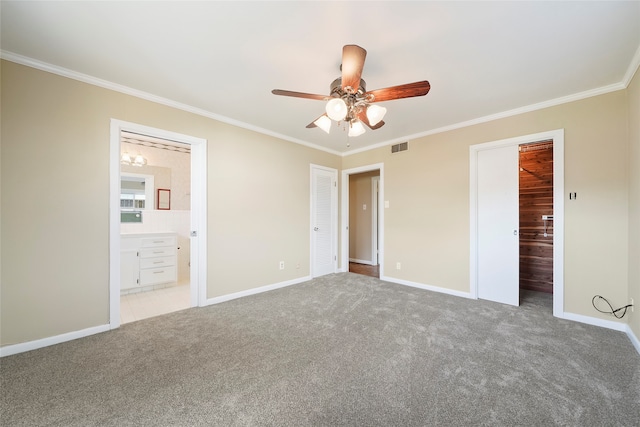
(558, 210)
(344, 223)
(198, 270)
(375, 185)
(334, 218)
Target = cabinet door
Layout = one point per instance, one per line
(129, 269)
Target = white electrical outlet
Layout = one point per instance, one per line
(281, 265)
(398, 266)
(632, 305)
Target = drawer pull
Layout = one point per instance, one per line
(158, 241)
(158, 262)
(158, 252)
(158, 272)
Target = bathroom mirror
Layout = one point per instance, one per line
(136, 192)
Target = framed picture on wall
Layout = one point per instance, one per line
(164, 199)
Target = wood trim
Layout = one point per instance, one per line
(536, 200)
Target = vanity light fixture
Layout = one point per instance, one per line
(138, 160)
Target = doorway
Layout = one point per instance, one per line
(478, 251)
(194, 236)
(536, 218)
(154, 281)
(363, 223)
(363, 211)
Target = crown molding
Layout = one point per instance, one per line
(633, 68)
(43, 66)
(516, 111)
(85, 78)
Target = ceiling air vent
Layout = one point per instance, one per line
(403, 146)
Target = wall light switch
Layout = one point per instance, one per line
(364, 207)
(386, 203)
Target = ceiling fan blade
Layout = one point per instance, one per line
(362, 116)
(299, 94)
(398, 92)
(352, 64)
(312, 125)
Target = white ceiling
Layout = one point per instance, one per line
(222, 59)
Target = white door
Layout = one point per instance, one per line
(323, 221)
(498, 223)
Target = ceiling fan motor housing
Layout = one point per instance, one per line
(336, 88)
(356, 102)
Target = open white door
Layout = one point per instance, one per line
(324, 220)
(498, 225)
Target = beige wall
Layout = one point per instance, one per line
(634, 201)
(360, 219)
(55, 227)
(427, 223)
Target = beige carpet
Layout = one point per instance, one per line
(341, 350)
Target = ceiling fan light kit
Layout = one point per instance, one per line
(356, 128)
(375, 114)
(337, 109)
(349, 100)
(323, 122)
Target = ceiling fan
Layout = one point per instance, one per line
(349, 100)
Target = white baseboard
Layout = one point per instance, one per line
(361, 261)
(633, 338)
(261, 289)
(427, 287)
(9, 350)
(609, 324)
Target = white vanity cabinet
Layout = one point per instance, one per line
(148, 259)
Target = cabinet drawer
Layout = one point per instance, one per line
(152, 276)
(157, 252)
(152, 242)
(164, 261)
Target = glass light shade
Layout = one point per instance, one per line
(356, 128)
(336, 109)
(125, 158)
(324, 123)
(139, 160)
(375, 113)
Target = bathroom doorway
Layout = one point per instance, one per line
(155, 203)
(158, 237)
